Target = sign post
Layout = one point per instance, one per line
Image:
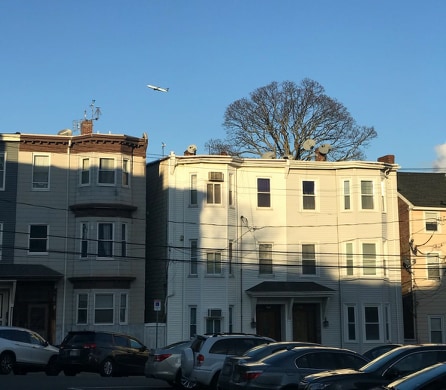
(157, 308)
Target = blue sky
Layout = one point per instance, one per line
(384, 60)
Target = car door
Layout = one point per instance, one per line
(138, 356)
(22, 345)
(39, 353)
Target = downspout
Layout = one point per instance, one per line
(66, 239)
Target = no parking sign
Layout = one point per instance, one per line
(157, 304)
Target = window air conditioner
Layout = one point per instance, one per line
(215, 313)
(216, 176)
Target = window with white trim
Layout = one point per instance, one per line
(231, 189)
(106, 171)
(351, 328)
(431, 219)
(41, 172)
(213, 263)
(372, 323)
(263, 192)
(2, 170)
(309, 195)
(85, 171)
(105, 240)
(125, 172)
(433, 266)
(103, 308)
(347, 195)
(436, 329)
(349, 260)
(369, 259)
(308, 259)
(213, 324)
(123, 308)
(367, 202)
(213, 193)
(193, 192)
(192, 321)
(265, 259)
(38, 239)
(82, 309)
(230, 254)
(124, 240)
(193, 257)
(231, 319)
(84, 240)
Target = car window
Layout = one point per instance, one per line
(349, 361)
(23, 337)
(79, 338)
(135, 344)
(121, 341)
(241, 346)
(317, 360)
(36, 339)
(220, 347)
(104, 339)
(413, 362)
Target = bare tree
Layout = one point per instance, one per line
(218, 146)
(279, 118)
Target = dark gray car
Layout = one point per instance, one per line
(284, 369)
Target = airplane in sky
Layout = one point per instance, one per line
(155, 88)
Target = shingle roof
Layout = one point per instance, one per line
(289, 287)
(28, 272)
(423, 189)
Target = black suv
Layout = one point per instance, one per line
(107, 353)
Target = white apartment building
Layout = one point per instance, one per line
(294, 250)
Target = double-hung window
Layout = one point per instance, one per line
(367, 202)
(213, 263)
(193, 257)
(263, 193)
(84, 240)
(106, 174)
(431, 221)
(347, 195)
(192, 321)
(85, 171)
(2, 171)
(351, 323)
(82, 309)
(369, 259)
(41, 172)
(436, 329)
(105, 240)
(103, 308)
(309, 195)
(124, 240)
(265, 259)
(349, 262)
(308, 259)
(123, 308)
(38, 239)
(125, 172)
(372, 323)
(213, 194)
(1, 241)
(433, 266)
(193, 192)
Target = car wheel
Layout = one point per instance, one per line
(107, 368)
(214, 381)
(187, 361)
(184, 383)
(52, 368)
(69, 372)
(7, 361)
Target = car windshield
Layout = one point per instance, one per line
(381, 361)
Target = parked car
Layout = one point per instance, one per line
(429, 378)
(109, 354)
(165, 363)
(203, 360)
(283, 369)
(22, 351)
(379, 350)
(384, 369)
(255, 354)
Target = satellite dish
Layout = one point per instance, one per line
(67, 132)
(309, 144)
(269, 155)
(192, 149)
(324, 149)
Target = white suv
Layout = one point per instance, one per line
(203, 361)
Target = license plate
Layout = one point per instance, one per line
(74, 352)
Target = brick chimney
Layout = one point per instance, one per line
(388, 159)
(86, 126)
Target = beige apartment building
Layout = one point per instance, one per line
(72, 231)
